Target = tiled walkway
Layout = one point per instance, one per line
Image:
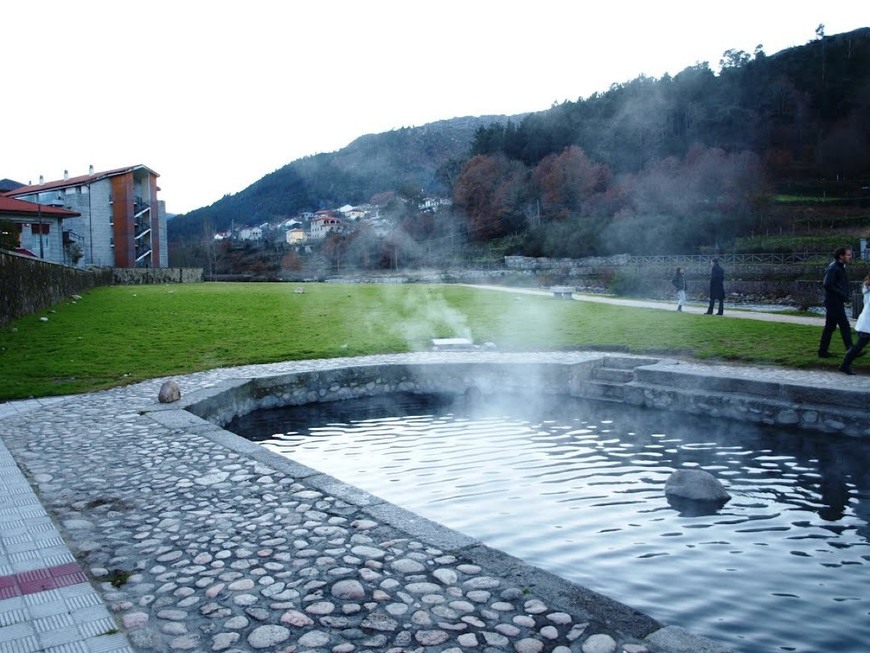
(46, 601)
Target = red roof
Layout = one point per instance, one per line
(75, 181)
(19, 207)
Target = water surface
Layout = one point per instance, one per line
(576, 488)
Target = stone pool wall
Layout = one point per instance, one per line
(654, 383)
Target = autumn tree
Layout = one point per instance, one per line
(493, 193)
(564, 182)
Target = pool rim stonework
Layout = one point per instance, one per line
(773, 397)
(103, 461)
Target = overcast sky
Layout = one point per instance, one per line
(214, 95)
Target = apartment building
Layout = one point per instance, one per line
(121, 223)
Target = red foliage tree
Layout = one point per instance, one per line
(493, 193)
(564, 182)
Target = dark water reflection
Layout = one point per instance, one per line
(577, 488)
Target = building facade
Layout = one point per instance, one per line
(121, 223)
(36, 230)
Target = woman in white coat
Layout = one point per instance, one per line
(862, 326)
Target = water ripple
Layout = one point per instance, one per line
(577, 488)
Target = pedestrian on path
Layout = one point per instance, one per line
(836, 285)
(679, 282)
(862, 326)
(717, 286)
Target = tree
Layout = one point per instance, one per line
(492, 191)
(845, 151)
(291, 262)
(734, 59)
(564, 182)
(334, 248)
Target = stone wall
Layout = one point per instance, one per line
(136, 276)
(29, 285)
(659, 384)
(649, 276)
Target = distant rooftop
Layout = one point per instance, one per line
(9, 184)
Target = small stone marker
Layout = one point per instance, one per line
(169, 392)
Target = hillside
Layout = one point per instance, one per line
(684, 163)
(371, 164)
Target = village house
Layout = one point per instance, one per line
(37, 229)
(118, 221)
(296, 236)
(324, 223)
(250, 233)
(434, 203)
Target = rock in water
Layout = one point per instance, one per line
(696, 485)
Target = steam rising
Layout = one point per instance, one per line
(430, 315)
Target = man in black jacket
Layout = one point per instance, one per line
(836, 295)
(717, 286)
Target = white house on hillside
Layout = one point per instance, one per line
(325, 224)
(251, 233)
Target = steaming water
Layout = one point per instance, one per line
(577, 488)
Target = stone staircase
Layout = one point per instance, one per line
(608, 379)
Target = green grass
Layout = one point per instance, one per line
(806, 199)
(125, 334)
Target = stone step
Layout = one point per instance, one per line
(625, 362)
(616, 375)
(602, 391)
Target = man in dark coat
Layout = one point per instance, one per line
(717, 286)
(836, 295)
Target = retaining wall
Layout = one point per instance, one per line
(29, 285)
(135, 276)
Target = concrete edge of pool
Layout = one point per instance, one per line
(743, 394)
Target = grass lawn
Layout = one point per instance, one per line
(124, 334)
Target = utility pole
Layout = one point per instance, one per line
(39, 212)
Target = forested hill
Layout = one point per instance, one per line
(410, 157)
(803, 113)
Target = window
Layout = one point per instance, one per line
(34, 228)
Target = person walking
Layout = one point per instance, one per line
(862, 326)
(679, 282)
(717, 286)
(836, 285)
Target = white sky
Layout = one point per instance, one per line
(213, 95)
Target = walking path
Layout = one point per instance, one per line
(194, 545)
(738, 312)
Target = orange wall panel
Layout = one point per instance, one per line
(122, 216)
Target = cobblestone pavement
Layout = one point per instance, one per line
(173, 541)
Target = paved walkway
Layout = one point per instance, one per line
(742, 312)
(46, 600)
(190, 545)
